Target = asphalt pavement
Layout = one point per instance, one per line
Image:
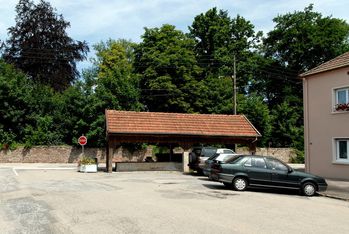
(39, 198)
(338, 189)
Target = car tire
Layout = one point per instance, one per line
(240, 184)
(192, 158)
(309, 189)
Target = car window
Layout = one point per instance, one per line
(233, 160)
(230, 157)
(277, 165)
(208, 152)
(227, 151)
(258, 163)
(248, 163)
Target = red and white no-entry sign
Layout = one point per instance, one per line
(82, 140)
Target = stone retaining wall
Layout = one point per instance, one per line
(69, 154)
(283, 154)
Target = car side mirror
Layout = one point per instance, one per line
(290, 170)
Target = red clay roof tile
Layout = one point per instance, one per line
(179, 124)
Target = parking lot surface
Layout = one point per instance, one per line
(65, 201)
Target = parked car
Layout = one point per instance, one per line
(199, 155)
(216, 158)
(264, 171)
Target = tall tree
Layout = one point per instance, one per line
(219, 38)
(305, 39)
(39, 45)
(166, 63)
(111, 84)
(299, 41)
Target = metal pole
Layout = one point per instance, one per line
(234, 81)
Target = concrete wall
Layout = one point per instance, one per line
(69, 154)
(322, 124)
(149, 166)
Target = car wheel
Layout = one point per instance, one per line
(240, 184)
(309, 189)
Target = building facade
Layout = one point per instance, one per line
(326, 118)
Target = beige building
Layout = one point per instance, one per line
(326, 118)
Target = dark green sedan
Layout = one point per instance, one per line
(265, 171)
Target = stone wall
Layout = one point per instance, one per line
(283, 154)
(69, 154)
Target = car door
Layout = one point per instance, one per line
(257, 171)
(280, 175)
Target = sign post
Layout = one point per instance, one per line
(82, 141)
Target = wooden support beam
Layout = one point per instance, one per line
(253, 147)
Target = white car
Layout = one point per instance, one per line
(217, 157)
(218, 151)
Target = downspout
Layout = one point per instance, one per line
(306, 125)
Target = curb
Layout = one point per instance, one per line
(334, 197)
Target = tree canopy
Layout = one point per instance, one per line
(168, 71)
(166, 63)
(40, 46)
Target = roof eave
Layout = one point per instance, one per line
(180, 134)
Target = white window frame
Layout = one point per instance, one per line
(335, 97)
(336, 158)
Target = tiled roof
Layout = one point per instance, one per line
(129, 122)
(338, 62)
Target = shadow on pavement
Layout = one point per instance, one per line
(220, 186)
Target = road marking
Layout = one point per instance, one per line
(43, 168)
(14, 171)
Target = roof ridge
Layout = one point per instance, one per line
(173, 113)
(318, 69)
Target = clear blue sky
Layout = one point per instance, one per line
(96, 20)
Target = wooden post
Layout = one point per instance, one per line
(253, 148)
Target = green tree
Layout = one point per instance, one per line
(215, 95)
(218, 39)
(15, 94)
(109, 84)
(40, 46)
(256, 110)
(299, 41)
(305, 39)
(166, 63)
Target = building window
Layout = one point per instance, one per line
(342, 149)
(342, 99)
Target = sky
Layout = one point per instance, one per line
(98, 20)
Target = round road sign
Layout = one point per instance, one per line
(82, 140)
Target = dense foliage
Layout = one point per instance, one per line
(40, 46)
(167, 71)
